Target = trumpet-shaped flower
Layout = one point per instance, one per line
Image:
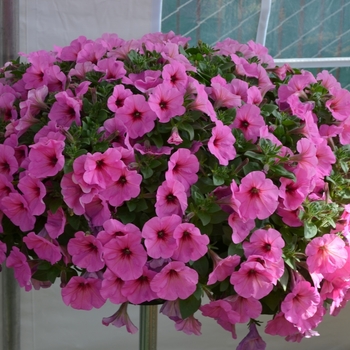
(258, 196)
(112, 286)
(252, 341)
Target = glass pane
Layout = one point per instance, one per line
(212, 20)
(309, 28)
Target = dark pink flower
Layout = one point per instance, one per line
(176, 280)
(249, 121)
(183, 166)
(125, 256)
(223, 268)
(139, 291)
(252, 341)
(191, 244)
(45, 249)
(83, 293)
(247, 308)
(240, 227)
(221, 143)
(8, 161)
(55, 223)
(136, 116)
(171, 198)
(127, 186)
(116, 100)
(111, 288)
(97, 211)
(166, 102)
(86, 252)
(120, 319)
(16, 208)
(258, 196)
(33, 191)
(18, 261)
(280, 326)
(159, 236)
(46, 158)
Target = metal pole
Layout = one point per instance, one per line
(10, 291)
(9, 41)
(148, 327)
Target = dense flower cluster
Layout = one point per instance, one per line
(145, 171)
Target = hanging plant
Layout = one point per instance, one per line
(147, 171)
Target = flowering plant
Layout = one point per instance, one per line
(145, 171)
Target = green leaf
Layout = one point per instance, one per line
(204, 217)
(235, 249)
(201, 266)
(218, 180)
(255, 155)
(284, 279)
(279, 170)
(147, 172)
(224, 285)
(310, 230)
(189, 129)
(189, 306)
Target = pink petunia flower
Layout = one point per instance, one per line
(258, 196)
(136, 115)
(252, 280)
(97, 211)
(159, 236)
(139, 291)
(247, 308)
(86, 252)
(83, 293)
(252, 341)
(175, 138)
(55, 223)
(326, 254)
(241, 227)
(111, 288)
(176, 280)
(183, 166)
(16, 208)
(175, 76)
(18, 261)
(267, 243)
(191, 244)
(8, 161)
(189, 325)
(46, 249)
(125, 256)
(120, 319)
(221, 143)
(46, 158)
(166, 102)
(171, 198)
(116, 100)
(249, 121)
(112, 69)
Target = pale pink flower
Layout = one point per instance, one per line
(280, 326)
(175, 138)
(83, 293)
(86, 252)
(175, 76)
(191, 244)
(116, 100)
(223, 268)
(339, 104)
(325, 157)
(189, 325)
(125, 256)
(221, 143)
(254, 96)
(249, 121)
(326, 254)
(222, 96)
(159, 236)
(166, 102)
(258, 196)
(301, 303)
(144, 81)
(112, 69)
(267, 243)
(328, 80)
(240, 227)
(183, 166)
(295, 192)
(136, 115)
(306, 159)
(252, 280)
(120, 319)
(247, 308)
(175, 280)
(252, 341)
(171, 198)
(18, 261)
(46, 249)
(139, 291)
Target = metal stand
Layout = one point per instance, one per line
(10, 294)
(148, 327)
